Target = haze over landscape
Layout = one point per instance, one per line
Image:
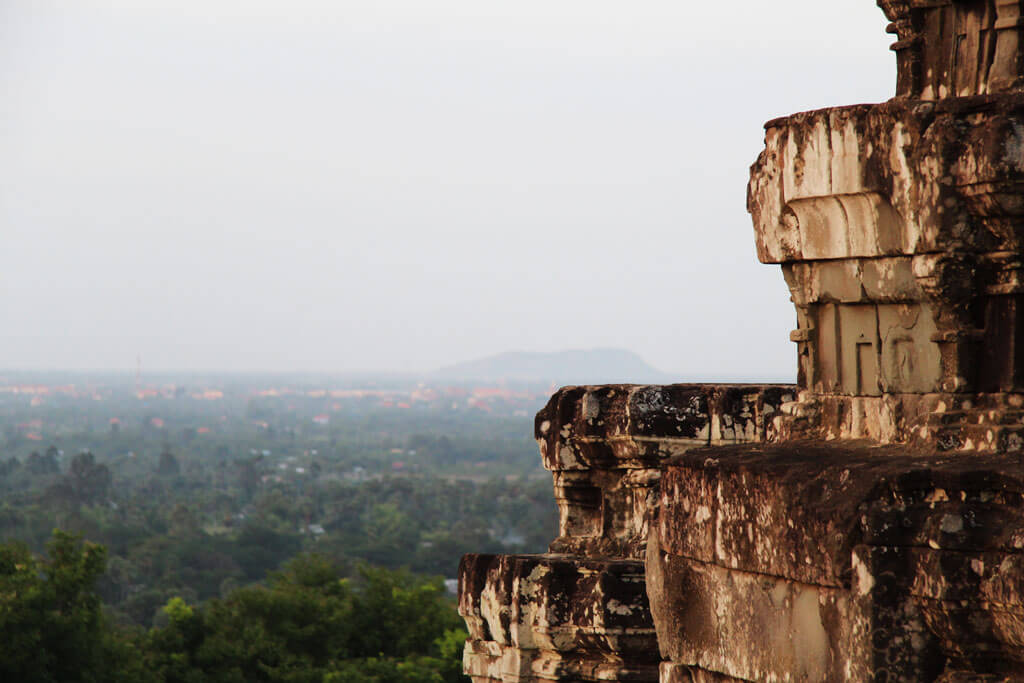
(391, 185)
(301, 304)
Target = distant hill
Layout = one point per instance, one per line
(593, 366)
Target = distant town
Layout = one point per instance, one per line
(294, 398)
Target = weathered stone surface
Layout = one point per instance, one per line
(839, 562)
(974, 677)
(798, 560)
(950, 595)
(796, 510)
(604, 446)
(956, 48)
(677, 673)
(745, 625)
(554, 617)
(903, 178)
(899, 228)
(630, 426)
(581, 612)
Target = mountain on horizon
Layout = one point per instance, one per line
(582, 366)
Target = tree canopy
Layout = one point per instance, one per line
(310, 623)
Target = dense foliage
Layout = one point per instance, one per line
(241, 534)
(224, 491)
(308, 624)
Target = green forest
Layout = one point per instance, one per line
(240, 533)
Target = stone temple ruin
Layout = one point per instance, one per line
(866, 524)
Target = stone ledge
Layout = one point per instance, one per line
(796, 510)
(605, 446)
(839, 561)
(628, 426)
(556, 617)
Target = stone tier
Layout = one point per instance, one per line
(900, 231)
(580, 613)
(604, 446)
(956, 48)
(902, 178)
(799, 560)
(556, 618)
(812, 561)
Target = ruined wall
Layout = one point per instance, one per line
(839, 562)
(580, 612)
(956, 48)
(689, 552)
(605, 447)
(867, 524)
(900, 229)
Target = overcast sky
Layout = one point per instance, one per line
(331, 185)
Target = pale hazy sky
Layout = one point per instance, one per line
(402, 184)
